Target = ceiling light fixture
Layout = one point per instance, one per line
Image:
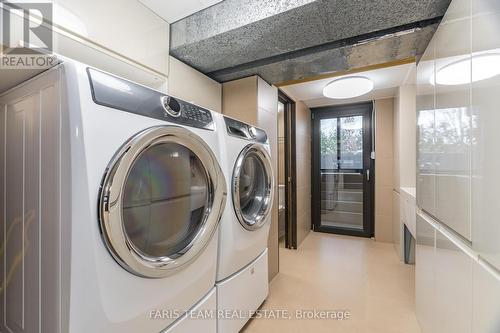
(484, 66)
(348, 87)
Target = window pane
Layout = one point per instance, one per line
(165, 199)
(328, 143)
(252, 189)
(351, 142)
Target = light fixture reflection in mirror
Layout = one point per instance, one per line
(484, 66)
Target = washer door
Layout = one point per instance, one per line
(160, 201)
(252, 186)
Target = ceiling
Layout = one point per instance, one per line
(174, 10)
(386, 82)
(288, 40)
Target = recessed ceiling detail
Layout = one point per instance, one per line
(386, 82)
(286, 40)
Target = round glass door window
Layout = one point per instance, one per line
(252, 184)
(160, 201)
(165, 200)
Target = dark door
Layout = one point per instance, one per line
(287, 196)
(342, 170)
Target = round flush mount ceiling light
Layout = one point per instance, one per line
(348, 87)
(484, 66)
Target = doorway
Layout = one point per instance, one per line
(343, 170)
(287, 197)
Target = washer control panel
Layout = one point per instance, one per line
(245, 131)
(117, 93)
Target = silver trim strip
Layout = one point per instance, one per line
(111, 193)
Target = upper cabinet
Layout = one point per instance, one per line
(445, 122)
(459, 116)
(486, 129)
(426, 168)
(453, 118)
(125, 27)
(122, 37)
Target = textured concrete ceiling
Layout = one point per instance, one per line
(286, 40)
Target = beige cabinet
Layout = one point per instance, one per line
(254, 101)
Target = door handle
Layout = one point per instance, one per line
(367, 175)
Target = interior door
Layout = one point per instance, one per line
(343, 171)
(287, 177)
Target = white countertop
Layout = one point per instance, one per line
(408, 208)
(411, 191)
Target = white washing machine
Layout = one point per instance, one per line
(242, 279)
(121, 194)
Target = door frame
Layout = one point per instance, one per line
(367, 110)
(290, 171)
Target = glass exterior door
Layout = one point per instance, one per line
(342, 184)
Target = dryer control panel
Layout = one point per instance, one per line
(245, 131)
(117, 93)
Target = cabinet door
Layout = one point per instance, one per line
(453, 118)
(486, 120)
(31, 247)
(486, 305)
(425, 276)
(397, 224)
(453, 302)
(125, 27)
(426, 178)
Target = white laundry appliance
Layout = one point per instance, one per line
(113, 195)
(242, 278)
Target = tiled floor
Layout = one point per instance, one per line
(331, 272)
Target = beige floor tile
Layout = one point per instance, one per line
(341, 273)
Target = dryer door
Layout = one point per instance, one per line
(160, 201)
(252, 186)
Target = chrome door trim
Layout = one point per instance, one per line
(261, 153)
(110, 202)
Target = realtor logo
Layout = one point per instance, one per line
(26, 35)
